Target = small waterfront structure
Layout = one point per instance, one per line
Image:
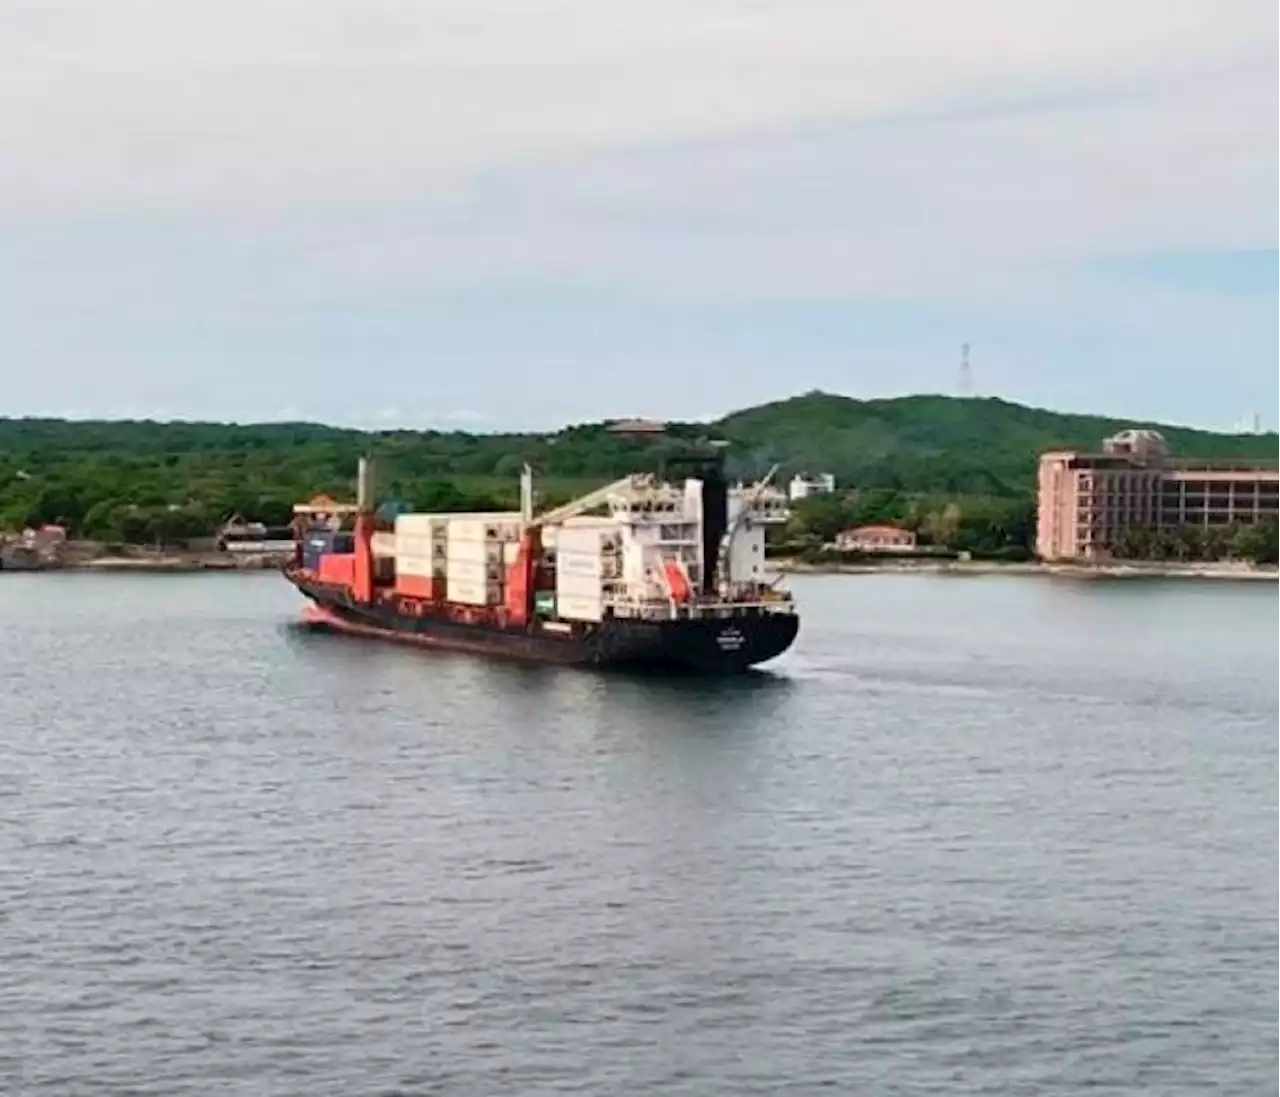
(876, 538)
(254, 538)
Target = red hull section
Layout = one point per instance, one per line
(318, 617)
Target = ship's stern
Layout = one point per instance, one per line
(733, 644)
(704, 644)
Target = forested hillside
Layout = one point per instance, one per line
(910, 457)
(944, 444)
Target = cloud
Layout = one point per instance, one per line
(951, 204)
(227, 208)
(257, 104)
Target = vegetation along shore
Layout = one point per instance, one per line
(958, 473)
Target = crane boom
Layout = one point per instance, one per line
(744, 510)
(586, 502)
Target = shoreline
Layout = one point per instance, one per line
(150, 561)
(1218, 572)
(171, 564)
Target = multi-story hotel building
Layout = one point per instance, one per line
(1088, 501)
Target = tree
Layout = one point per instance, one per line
(1165, 545)
(939, 527)
(1215, 543)
(1256, 542)
(932, 463)
(1190, 542)
(820, 517)
(1135, 543)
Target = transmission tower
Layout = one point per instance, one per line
(966, 372)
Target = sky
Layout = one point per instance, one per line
(496, 214)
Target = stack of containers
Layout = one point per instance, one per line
(475, 556)
(588, 566)
(420, 554)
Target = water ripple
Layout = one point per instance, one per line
(920, 856)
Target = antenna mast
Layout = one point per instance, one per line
(966, 372)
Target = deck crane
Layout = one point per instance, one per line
(749, 500)
(521, 575)
(572, 509)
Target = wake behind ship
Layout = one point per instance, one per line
(671, 575)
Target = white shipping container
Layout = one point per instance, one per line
(423, 552)
(478, 551)
(471, 593)
(570, 564)
(403, 557)
(435, 553)
(583, 568)
(581, 556)
(474, 571)
(484, 529)
(610, 567)
(583, 576)
(462, 530)
(419, 537)
(579, 608)
(510, 553)
(420, 523)
(578, 586)
(588, 539)
(423, 566)
(419, 546)
(421, 518)
(591, 539)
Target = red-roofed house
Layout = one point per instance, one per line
(879, 538)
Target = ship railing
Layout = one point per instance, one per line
(667, 610)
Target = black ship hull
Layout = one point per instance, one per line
(719, 645)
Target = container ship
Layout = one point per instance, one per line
(646, 571)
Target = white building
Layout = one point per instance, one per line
(803, 486)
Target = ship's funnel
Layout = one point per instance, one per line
(715, 520)
(364, 486)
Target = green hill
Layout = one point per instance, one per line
(130, 480)
(945, 444)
